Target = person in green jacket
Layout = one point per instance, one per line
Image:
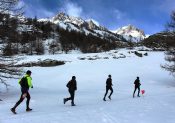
(26, 83)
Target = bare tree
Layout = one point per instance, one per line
(170, 53)
(170, 26)
(7, 68)
(170, 57)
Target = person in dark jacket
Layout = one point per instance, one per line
(108, 87)
(137, 86)
(72, 87)
(26, 83)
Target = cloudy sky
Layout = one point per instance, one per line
(148, 15)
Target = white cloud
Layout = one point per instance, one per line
(21, 4)
(118, 14)
(72, 9)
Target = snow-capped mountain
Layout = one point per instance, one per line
(131, 33)
(90, 23)
(89, 26)
(62, 17)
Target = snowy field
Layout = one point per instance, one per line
(156, 106)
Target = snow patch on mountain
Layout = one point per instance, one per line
(43, 20)
(62, 17)
(131, 33)
(94, 21)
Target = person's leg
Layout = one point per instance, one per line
(134, 91)
(138, 92)
(19, 101)
(110, 93)
(66, 99)
(106, 93)
(72, 97)
(28, 100)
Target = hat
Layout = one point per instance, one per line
(73, 77)
(28, 72)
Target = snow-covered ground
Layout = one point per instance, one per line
(156, 106)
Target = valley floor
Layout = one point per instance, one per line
(156, 106)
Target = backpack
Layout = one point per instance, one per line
(23, 82)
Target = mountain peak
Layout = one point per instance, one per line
(63, 17)
(130, 32)
(129, 28)
(92, 21)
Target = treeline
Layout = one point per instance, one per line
(71, 40)
(162, 40)
(27, 36)
(22, 35)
